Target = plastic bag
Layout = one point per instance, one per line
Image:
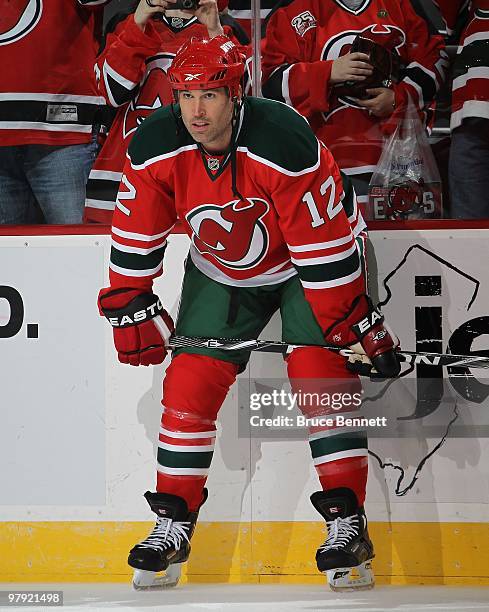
(406, 183)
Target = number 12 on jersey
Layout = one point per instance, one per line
(326, 191)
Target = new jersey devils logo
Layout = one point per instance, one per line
(154, 92)
(389, 36)
(404, 198)
(18, 18)
(234, 233)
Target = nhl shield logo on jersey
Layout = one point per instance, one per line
(18, 18)
(213, 164)
(233, 233)
(303, 22)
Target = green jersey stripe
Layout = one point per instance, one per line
(338, 442)
(329, 271)
(184, 460)
(348, 200)
(135, 261)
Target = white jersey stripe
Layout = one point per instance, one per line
(163, 469)
(105, 175)
(48, 97)
(100, 204)
(481, 72)
(337, 282)
(45, 127)
(359, 170)
(191, 435)
(270, 164)
(137, 250)
(140, 237)
(154, 160)
(473, 38)
(186, 449)
(313, 261)
(136, 273)
(355, 452)
(162, 327)
(207, 268)
(471, 108)
(318, 246)
(285, 86)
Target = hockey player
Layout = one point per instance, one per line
(131, 74)
(307, 57)
(48, 107)
(272, 226)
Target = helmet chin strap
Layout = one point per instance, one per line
(237, 103)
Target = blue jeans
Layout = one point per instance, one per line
(51, 176)
(469, 170)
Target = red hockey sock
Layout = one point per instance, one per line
(340, 460)
(194, 388)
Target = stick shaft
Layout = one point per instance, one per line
(270, 346)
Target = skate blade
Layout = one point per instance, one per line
(144, 579)
(359, 578)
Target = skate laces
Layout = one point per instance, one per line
(341, 531)
(167, 533)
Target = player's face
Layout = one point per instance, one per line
(207, 115)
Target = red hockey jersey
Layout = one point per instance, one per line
(47, 90)
(470, 88)
(450, 11)
(303, 39)
(131, 75)
(241, 11)
(296, 215)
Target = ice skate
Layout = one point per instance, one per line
(158, 559)
(346, 555)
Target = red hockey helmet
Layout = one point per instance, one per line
(207, 64)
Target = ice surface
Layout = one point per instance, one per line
(261, 598)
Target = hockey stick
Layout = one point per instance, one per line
(271, 346)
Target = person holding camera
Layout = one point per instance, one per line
(348, 98)
(131, 72)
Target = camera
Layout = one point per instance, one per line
(187, 5)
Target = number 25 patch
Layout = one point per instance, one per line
(303, 22)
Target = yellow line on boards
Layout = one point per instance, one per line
(258, 552)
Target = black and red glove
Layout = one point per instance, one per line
(362, 330)
(141, 325)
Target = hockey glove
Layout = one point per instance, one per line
(140, 324)
(362, 329)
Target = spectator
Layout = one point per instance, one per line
(469, 152)
(48, 105)
(307, 55)
(131, 75)
(455, 14)
(241, 11)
